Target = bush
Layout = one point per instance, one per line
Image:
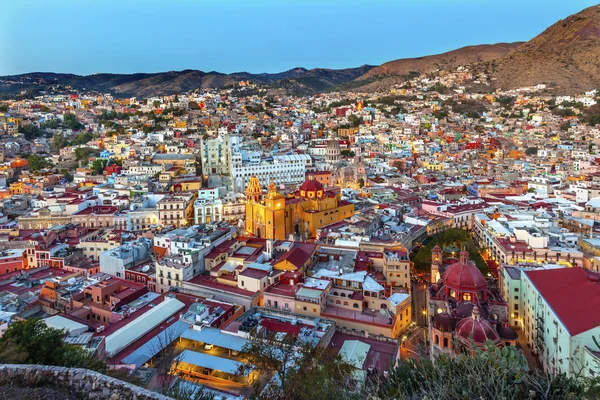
(494, 374)
(531, 151)
(34, 342)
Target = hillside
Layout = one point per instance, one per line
(450, 60)
(294, 81)
(566, 55)
(397, 71)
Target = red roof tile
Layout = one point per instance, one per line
(572, 293)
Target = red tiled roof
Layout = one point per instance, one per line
(297, 257)
(572, 293)
(254, 273)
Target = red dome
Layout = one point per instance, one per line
(476, 328)
(464, 276)
(443, 322)
(311, 185)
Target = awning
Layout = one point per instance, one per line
(212, 362)
(216, 337)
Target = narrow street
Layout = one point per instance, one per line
(419, 303)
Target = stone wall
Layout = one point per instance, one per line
(80, 383)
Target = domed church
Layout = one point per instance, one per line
(464, 312)
(276, 216)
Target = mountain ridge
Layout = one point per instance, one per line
(565, 56)
(171, 82)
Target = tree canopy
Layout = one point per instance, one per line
(301, 369)
(36, 163)
(71, 122)
(491, 374)
(31, 131)
(531, 151)
(34, 342)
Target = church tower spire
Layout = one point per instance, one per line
(254, 192)
(436, 263)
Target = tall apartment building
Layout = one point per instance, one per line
(216, 153)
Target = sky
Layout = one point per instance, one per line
(126, 36)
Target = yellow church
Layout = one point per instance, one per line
(276, 216)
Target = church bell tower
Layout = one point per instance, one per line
(436, 263)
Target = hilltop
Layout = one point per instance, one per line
(565, 56)
(298, 80)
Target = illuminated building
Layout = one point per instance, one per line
(275, 216)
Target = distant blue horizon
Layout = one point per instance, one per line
(263, 36)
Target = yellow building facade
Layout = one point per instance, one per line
(276, 216)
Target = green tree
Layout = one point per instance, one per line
(303, 370)
(34, 342)
(67, 175)
(83, 153)
(347, 153)
(530, 151)
(59, 142)
(70, 121)
(565, 126)
(594, 120)
(31, 131)
(98, 165)
(494, 374)
(440, 114)
(440, 88)
(355, 120)
(83, 138)
(51, 124)
(36, 163)
(3, 107)
(156, 103)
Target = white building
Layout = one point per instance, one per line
(289, 169)
(557, 309)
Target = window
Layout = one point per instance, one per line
(304, 308)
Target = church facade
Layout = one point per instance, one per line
(275, 216)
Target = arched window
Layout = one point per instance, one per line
(346, 303)
(343, 294)
(437, 340)
(446, 343)
(467, 297)
(355, 305)
(338, 302)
